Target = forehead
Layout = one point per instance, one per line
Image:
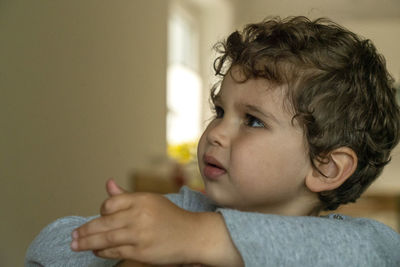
(255, 91)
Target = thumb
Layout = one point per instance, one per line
(113, 189)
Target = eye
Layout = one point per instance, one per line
(219, 112)
(252, 121)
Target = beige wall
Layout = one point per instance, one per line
(82, 94)
(82, 99)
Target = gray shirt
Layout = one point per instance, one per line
(262, 239)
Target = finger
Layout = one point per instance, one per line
(113, 189)
(102, 224)
(120, 252)
(103, 240)
(117, 203)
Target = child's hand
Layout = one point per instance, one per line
(141, 226)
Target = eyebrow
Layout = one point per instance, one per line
(217, 99)
(261, 112)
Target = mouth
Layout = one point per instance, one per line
(213, 169)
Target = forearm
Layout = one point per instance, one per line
(213, 246)
(212, 243)
(52, 246)
(128, 263)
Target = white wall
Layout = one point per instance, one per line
(216, 22)
(82, 99)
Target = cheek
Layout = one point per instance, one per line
(250, 160)
(272, 162)
(201, 146)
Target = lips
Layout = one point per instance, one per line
(213, 169)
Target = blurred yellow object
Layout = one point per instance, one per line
(183, 153)
(186, 155)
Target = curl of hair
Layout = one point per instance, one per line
(338, 88)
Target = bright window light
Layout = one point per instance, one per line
(183, 81)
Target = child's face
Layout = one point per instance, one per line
(261, 155)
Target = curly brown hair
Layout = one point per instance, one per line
(339, 90)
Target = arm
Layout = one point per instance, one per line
(271, 240)
(261, 240)
(149, 228)
(51, 247)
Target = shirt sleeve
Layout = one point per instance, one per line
(271, 240)
(191, 200)
(261, 239)
(52, 247)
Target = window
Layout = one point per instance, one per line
(183, 79)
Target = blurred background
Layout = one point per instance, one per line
(96, 89)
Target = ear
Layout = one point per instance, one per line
(334, 170)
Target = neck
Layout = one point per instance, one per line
(306, 204)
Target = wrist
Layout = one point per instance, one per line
(212, 244)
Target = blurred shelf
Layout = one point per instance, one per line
(388, 184)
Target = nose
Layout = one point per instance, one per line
(218, 133)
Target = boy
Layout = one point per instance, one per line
(305, 120)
